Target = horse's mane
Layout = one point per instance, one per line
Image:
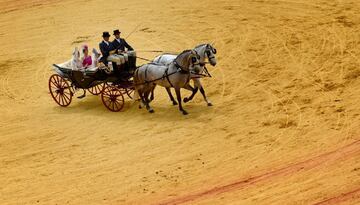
(185, 51)
(181, 56)
(204, 44)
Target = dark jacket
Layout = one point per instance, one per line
(105, 50)
(122, 45)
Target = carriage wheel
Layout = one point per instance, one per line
(97, 89)
(112, 98)
(129, 92)
(60, 90)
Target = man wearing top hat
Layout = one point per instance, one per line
(108, 51)
(120, 45)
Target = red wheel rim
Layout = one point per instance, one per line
(60, 90)
(97, 89)
(112, 98)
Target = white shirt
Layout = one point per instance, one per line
(107, 43)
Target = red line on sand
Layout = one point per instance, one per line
(343, 153)
(355, 194)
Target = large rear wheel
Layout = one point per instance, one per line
(60, 90)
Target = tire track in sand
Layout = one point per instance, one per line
(342, 153)
(355, 194)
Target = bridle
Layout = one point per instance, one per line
(209, 49)
(186, 71)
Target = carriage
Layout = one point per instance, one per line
(112, 87)
(169, 71)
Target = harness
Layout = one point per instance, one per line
(166, 75)
(182, 71)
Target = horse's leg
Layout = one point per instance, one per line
(141, 102)
(205, 98)
(178, 95)
(171, 96)
(152, 94)
(194, 91)
(146, 98)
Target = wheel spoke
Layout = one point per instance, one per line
(61, 100)
(113, 105)
(54, 84)
(68, 98)
(106, 95)
(58, 100)
(57, 94)
(54, 87)
(56, 79)
(116, 105)
(118, 99)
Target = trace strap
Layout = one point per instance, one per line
(166, 75)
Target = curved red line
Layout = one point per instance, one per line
(344, 153)
(355, 194)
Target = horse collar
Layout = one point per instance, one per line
(181, 69)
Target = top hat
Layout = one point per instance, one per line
(106, 34)
(116, 32)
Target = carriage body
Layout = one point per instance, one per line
(110, 86)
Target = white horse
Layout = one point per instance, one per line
(176, 75)
(205, 51)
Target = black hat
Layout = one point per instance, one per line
(116, 32)
(106, 34)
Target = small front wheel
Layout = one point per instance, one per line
(112, 98)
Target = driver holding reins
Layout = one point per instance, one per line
(124, 49)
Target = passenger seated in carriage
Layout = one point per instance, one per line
(86, 59)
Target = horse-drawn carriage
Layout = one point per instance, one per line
(169, 71)
(111, 86)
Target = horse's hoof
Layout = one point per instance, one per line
(151, 111)
(209, 104)
(174, 103)
(184, 112)
(139, 106)
(186, 100)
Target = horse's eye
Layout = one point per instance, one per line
(193, 59)
(208, 53)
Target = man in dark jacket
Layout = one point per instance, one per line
(120, 45)
(108, 51)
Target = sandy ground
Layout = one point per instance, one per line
(284, 128)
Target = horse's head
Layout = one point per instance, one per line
(194, 60)
(210, 53)
(189, 61)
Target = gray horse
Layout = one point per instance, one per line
(175, 75)
(205, 51)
